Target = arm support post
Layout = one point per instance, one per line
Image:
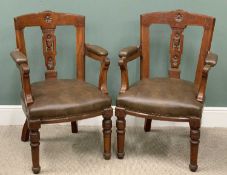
(100, 54)
(210, 62)
(126, 55)
(22, 63)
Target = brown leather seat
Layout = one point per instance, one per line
(59, 98)
(164, 96)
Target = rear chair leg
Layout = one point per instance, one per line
(35, 142)
(74, 127)
(195, 123)
(121, 123)
(107, 130)
(147, 125)
(25, 132)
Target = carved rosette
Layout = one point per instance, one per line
(49, 51)
(48, 19)
(179, 17)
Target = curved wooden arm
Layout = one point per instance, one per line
(97, 50)
(126, 55)
(99, 54)
(22, 64)
(210, 61)
(18, 57)
(129, 51)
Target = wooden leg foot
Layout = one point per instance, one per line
(120, 155)
(107, 156)
(36, 170)
(193, 168)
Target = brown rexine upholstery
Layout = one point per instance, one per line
(163, 96)
(59, 98)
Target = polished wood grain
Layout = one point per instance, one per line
(48, 21)
(178, 21)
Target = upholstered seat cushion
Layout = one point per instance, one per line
(164, 96)
(62, 98)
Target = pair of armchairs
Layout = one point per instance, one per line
(56, 100)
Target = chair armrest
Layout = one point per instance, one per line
(97, 50)
(128, 51)
(21, 61)
(126, 55)
(100, 54)
(211, 59)
(210, 62)
(18, 57)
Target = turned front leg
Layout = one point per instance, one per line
(35, 142)
(194, 142)
(120, 123)
(107, 130)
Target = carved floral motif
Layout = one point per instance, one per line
(49, 42)
(48, 19)
(50, 63)
(175, 61)
(179, 17)
(176, 41)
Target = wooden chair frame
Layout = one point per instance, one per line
(178, 20)
(48, 21)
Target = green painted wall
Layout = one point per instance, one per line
(113, 24)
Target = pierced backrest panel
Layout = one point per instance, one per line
(178, 20)
(48, 21)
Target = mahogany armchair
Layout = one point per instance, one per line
(168, 99)
(60, 100)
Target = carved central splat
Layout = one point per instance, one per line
(49, 52)
(176, 49)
